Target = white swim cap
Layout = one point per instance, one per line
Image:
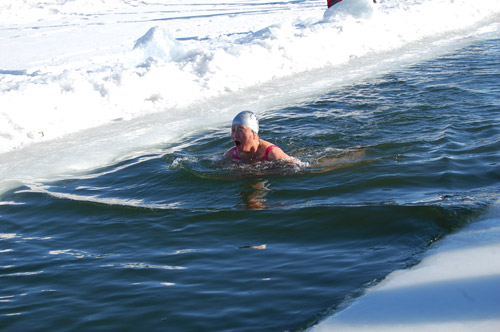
(248, 119)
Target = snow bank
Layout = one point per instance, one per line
(66, 88)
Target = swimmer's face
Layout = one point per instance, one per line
(242, 136)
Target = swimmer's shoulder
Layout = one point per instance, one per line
(229, 153)
(275, 152)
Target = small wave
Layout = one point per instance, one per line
(75, 253)
(21, 274)
(10, 203)
(307, 161)
(8, 236)
(142, 266)
(184, 251)
(127, 202)
(220, 169)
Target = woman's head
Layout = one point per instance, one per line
(248, 119)
(244, 131)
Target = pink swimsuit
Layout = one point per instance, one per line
(266, 154)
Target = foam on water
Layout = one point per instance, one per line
(90, 84)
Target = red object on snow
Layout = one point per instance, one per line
(332, 2)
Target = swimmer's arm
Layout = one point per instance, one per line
(277, 154)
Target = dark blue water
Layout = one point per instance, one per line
(180, 241)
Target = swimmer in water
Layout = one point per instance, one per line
(248, 147)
